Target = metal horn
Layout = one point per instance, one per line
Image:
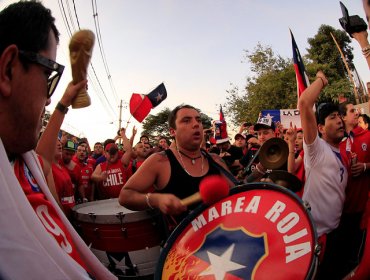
(274, 153)
(285, 179)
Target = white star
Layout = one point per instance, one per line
(221, 264)
(269, 117)
(159, 97)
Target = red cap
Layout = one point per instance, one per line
(111, 146)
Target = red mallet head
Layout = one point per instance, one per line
(213, 188)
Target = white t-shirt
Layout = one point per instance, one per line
(326, 180)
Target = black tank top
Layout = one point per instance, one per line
(182, 184)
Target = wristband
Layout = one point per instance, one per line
(366, 49)
(61, 108)
(323, 82)
(147, 196)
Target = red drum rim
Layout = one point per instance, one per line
(201, 209)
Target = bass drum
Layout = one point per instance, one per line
(260, 231)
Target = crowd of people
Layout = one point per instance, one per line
(44, 177)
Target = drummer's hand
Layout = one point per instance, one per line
(168, 204)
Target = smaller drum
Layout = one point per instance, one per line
(260, 231)
(108, 226)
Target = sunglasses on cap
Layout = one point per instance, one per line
(51, 65)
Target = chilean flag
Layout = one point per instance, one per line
(222, 117)
(300, 72)
(141, 104)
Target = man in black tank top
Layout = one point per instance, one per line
(176, 172)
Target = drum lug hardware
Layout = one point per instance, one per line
(120, 216)
(306, 205)
(317, 249)
(124, 231)
(96, 230)
(92, 217)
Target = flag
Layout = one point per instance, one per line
(222, 117)
(300, 72)
(220, 129)
(284, 116)
(141, 104)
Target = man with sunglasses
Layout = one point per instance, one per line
(36, 239)
(326, 174)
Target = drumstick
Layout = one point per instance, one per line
(80, 52)
(211, 189)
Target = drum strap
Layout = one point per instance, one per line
(222, 170)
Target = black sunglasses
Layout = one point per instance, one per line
(49, 64)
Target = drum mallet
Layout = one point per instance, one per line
(211, 189)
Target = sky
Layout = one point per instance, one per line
(195, 47)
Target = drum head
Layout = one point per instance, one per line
(109, 211)
(260, 231)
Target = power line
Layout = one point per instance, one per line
(66, 22)
(64, 16)
(74, 7)
(70, 16)
(101, 48)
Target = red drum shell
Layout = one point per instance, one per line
(108, 226)
(260, 231)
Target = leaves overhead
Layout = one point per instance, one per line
(273, 83)
(157, 125)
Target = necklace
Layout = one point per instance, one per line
(192, 159)
(182, 162)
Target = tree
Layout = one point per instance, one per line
(323, 51)
(323, 54)
(157, 125)
(272, 87)
(273, 84)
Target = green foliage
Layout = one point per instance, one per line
(273, 84)
(157, 125)
(323, 50)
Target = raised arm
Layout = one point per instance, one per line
(46, 145)
(292, 136)
(127, 147)
(361, 38)
(306, 103)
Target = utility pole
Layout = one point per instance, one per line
(347, 67)
(120, 115)
(120, 120)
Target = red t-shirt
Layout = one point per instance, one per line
(74, 173)
(301, 175)
(45, 210)
(91, 162)
(357, 187)
(117, 177)
(64, 188)
(86, 172)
